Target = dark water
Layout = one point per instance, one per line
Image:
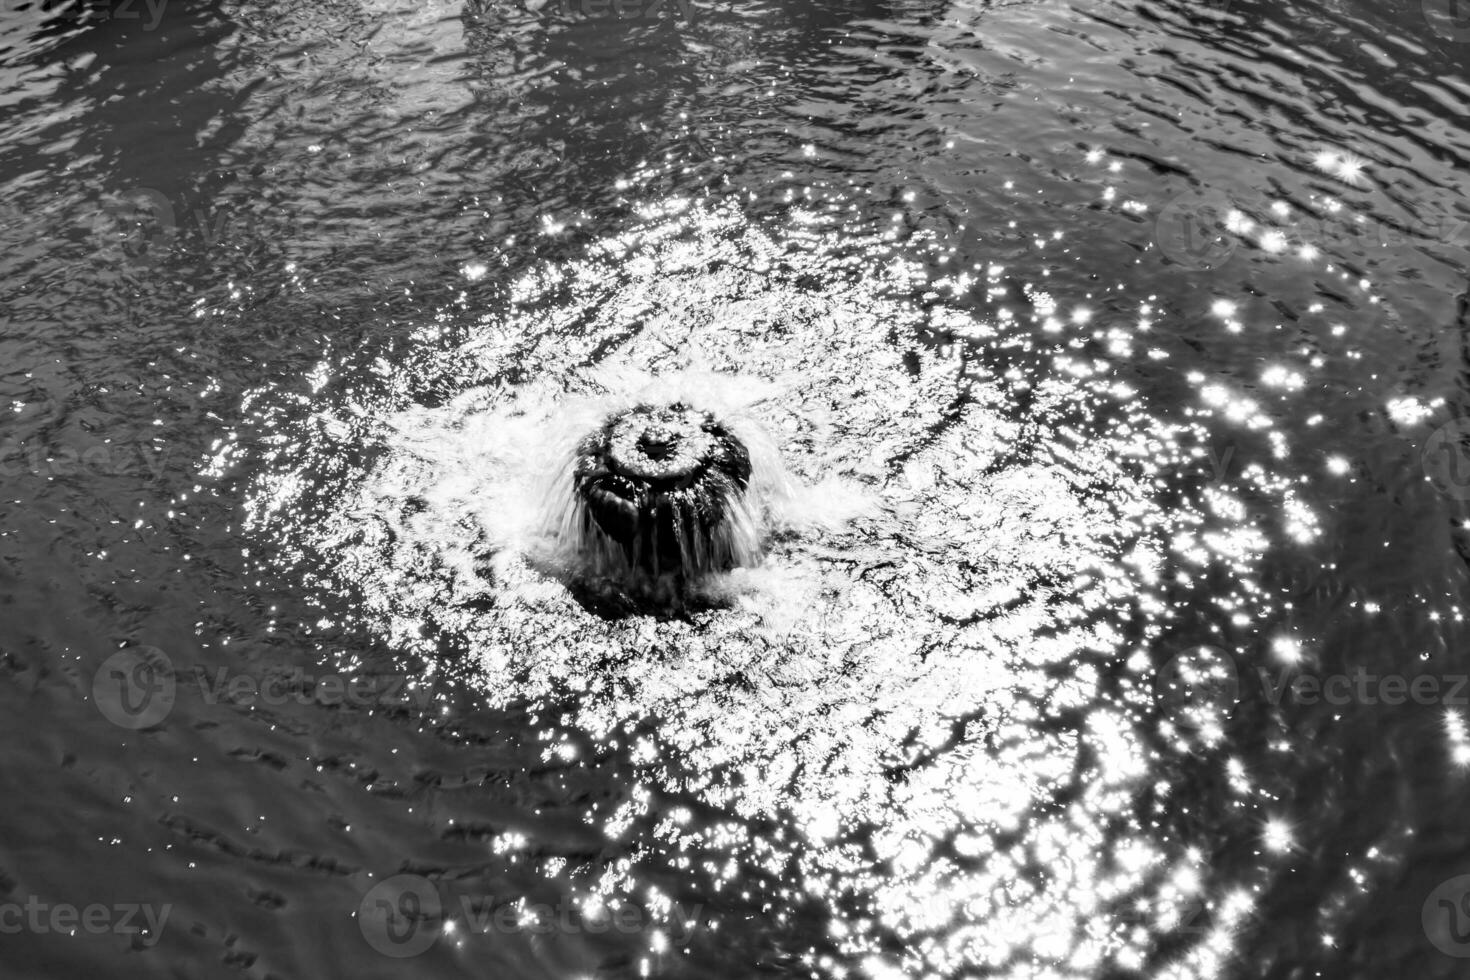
(1109, 348)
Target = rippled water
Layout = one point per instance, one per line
(1107, 350)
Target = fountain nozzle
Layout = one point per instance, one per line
(660, 493)
(658, 442)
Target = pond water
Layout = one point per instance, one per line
(1104, 362)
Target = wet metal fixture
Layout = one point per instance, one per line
(660, 494)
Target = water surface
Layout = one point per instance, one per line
(1100, 341)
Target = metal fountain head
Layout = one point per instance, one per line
(661, 493)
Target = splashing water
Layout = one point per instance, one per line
(936, 682)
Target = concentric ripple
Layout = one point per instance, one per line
(938, 678)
